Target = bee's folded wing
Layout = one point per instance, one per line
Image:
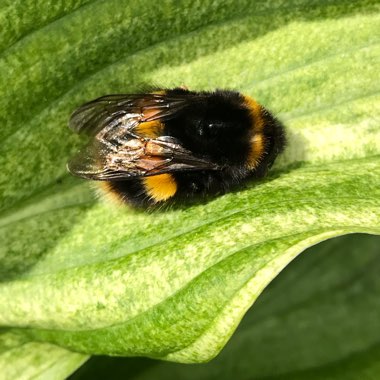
(104, 161)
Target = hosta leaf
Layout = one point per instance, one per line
(315, 321)
(174, 284)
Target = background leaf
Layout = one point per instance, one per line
(175, 284)
(21, 359)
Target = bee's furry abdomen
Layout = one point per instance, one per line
(275, 138)
(128, 191)
(142, 191)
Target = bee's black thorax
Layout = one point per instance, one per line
(214, 125)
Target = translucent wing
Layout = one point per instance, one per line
(122, 158)
(128, 109)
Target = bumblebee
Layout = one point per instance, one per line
(168, 144)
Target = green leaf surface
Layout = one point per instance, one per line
(174, 284)
(314, 321)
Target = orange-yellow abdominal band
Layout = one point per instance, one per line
(160, 187)
(256, 110)
(257, 139)
(257, 150)
(151, 129)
